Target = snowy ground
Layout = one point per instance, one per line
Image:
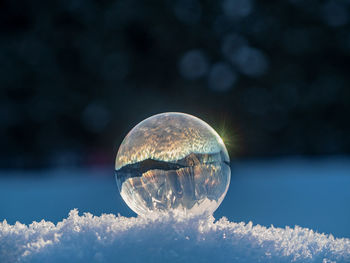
(164, 239)
(309, 193)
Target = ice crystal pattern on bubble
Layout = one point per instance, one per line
(173, 161)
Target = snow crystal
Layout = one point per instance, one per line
(164, 238)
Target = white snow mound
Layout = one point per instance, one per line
(166, 238)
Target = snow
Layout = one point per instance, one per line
(164, 238)
(311, 193)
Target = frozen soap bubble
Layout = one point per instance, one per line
(173, 161)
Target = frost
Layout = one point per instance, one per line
(164, 238)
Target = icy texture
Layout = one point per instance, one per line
(173, 161)
(190, 186)
(169, 137)
(164, 238)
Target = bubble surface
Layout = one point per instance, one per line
(172, 161)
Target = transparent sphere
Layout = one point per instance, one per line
(173, 161)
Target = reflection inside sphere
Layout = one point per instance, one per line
(172, 161)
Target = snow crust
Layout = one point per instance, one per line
(164, 238)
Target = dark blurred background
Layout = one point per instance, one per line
(272, 77)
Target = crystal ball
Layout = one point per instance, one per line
(172, 162)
